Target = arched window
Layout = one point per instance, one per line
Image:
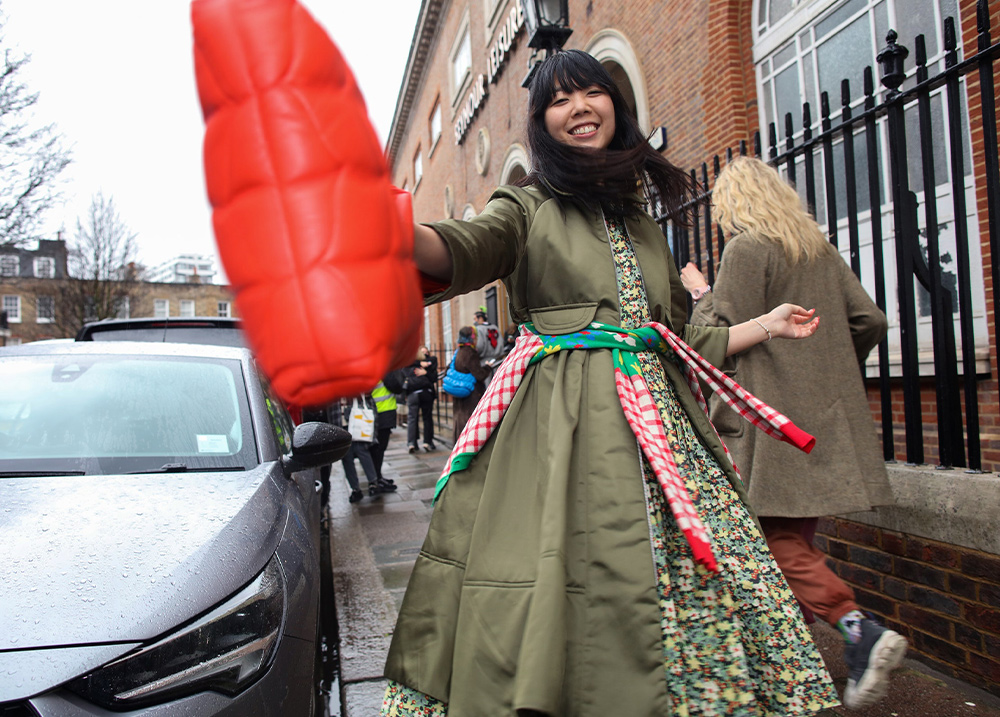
(616, 54)
(515, 164)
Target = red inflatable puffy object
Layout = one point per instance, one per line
(315, 240)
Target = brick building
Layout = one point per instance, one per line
(704, 77)
(33, 285)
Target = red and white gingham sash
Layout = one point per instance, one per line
(643, 418)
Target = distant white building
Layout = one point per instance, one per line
(184, 269)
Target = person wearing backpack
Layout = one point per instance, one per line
(466, 360)
(489, 343)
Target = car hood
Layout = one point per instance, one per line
(100, 559)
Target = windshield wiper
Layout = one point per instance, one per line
(183, 468)
(39, 474)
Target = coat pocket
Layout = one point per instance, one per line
(563, 319)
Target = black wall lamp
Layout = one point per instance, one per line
(548, 28)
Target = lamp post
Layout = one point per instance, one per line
(548, 28)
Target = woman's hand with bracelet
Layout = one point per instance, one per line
(786, 321)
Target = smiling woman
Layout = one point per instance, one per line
(581, 117)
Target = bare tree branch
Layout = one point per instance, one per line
(31, 160)
(105, 275)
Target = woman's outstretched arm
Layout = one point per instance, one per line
(431, 253)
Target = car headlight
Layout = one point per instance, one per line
(226, 650)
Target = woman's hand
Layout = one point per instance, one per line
(692, 278)
(787, 321)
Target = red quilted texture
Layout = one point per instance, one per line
(315, 240)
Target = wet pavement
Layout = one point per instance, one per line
(376, 541)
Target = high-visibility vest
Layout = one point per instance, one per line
(385, 400)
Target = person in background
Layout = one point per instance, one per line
(778, 253)
(467, 361)
(509, 339)
(489, 343)
(384, 395)
(339, 412)
(420, 386)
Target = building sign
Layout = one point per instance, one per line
(505, 40)
(496, 60)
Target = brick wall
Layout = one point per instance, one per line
(944, 598)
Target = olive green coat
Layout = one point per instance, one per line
(816, 382)
(535, 588)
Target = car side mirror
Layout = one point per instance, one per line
(315, 443)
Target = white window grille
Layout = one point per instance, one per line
(187, 307)
(45, 309)
(225, 310)
(45, 267)
(10, 265)
(161, 308)
(12, 305)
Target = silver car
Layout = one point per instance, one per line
(160, 533)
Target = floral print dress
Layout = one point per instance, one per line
(734, 642)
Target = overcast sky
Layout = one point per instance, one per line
(117, 79)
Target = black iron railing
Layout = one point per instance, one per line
(944, 299)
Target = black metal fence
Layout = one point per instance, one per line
(923, 232)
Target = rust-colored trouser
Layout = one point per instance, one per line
(816, 587)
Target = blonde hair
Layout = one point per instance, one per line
(751, 198)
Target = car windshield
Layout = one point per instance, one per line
(214, 336)
(104, 414)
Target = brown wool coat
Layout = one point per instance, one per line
(817, 382)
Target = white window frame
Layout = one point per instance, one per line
(51, 300)
(187, 308)
(161, 308)
(124, 308)
(435, 126)
(492, 15)
(13, 341)
(418, 168)
(10, 265)
(225, 309)
(45, 267)
(447, 337)
(12, 305)
(461, 52)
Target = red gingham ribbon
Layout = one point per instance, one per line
(643, 418)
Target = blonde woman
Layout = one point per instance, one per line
(777, 253)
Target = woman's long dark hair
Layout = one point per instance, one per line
(588, 178)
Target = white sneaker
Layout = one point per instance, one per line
(869, 662)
